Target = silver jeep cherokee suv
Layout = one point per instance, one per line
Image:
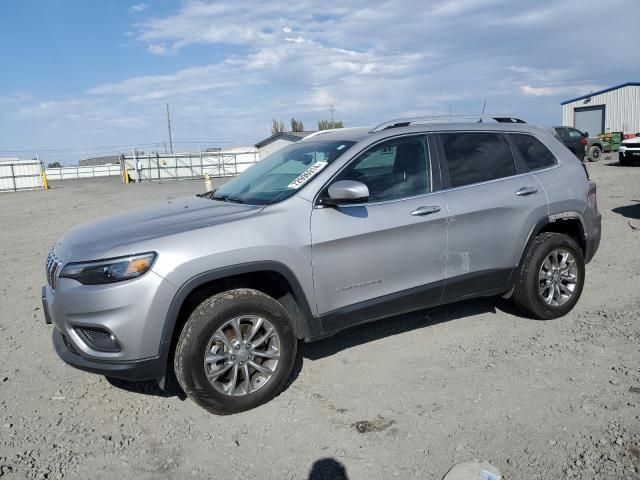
(338, 229)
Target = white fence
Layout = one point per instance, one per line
(18, 175)
(154, 167)
(65, 173)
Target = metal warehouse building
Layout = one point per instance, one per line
(615, 109)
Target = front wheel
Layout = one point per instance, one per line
(552, 277)
(235, 352)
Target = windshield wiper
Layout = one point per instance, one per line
(208, 195)
(228, 198)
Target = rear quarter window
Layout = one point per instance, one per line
(534, 153)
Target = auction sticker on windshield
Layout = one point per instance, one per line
(307, 175)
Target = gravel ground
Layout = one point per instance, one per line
(406, 397)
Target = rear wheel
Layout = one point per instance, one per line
(552, 277)
(236, 351)
(595, 152)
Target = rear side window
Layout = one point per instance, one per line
(573, 133)
(562, 132)
(533, 151)
(477, 157)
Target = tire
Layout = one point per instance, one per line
(527, 294)
(595, 152)
(202, 336)
(623, 161)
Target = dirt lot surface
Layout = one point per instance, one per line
(402, 398)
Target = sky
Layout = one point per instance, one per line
(83, 78)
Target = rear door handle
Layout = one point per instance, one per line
(524, 191)
(420, 211)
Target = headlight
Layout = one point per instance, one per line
(109, 271)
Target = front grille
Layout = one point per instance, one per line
(51, 268)
(631, 145)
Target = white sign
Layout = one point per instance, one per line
(307, 175)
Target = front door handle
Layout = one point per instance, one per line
(420, 211)
(524, 191)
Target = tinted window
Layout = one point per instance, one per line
(394, 169)
(562, 132)
(535, 154)
(477, 157)
(573, 133)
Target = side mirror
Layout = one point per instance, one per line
(585, 134)
(345, 192)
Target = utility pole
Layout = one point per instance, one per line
(332, 109)
(169, 127)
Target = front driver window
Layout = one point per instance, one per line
(395, 169)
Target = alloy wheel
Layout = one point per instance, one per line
(557, 278)
(242, 355)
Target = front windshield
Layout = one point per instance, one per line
(282, 173)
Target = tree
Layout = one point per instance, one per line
(277, 126)
(328, 124)
(54, 165)
(296, 125)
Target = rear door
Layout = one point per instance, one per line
(494, 203)
(386, 255)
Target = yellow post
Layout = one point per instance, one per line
(126, 175)
(45, 183)
(207, 183)
(43, 174)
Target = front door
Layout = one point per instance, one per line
(387, 254)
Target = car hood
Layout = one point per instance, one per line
(631, 141)
(94, 240)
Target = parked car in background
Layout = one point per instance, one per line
(629, 151)
(580, 143)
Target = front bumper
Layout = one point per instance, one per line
(148, 369)
(132, 313)
(626, 153)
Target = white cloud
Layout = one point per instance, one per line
(157, 49)
(139, 7)
(394, 58)
(568, 90)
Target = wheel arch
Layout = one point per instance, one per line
(569, 223)
(272, 278)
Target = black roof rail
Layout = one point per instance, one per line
(508, 120)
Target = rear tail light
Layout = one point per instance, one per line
(592, 199)
(583, 141)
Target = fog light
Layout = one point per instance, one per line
(98, 339)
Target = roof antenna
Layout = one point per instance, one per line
(484, 105)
